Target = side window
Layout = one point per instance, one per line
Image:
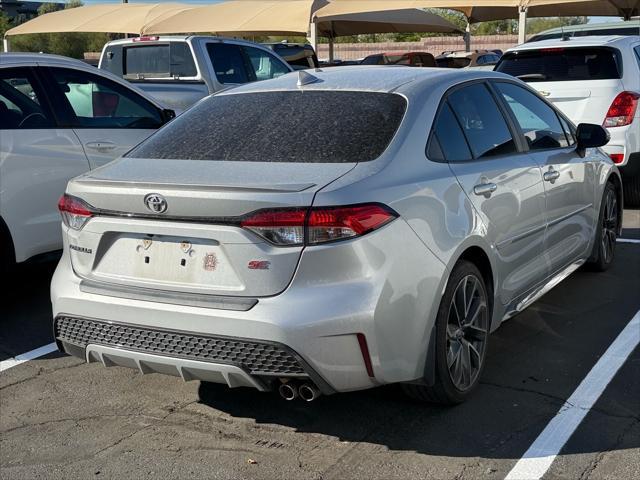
(538, 121)
(98, 102)
(636, 49)
(447, 140)
(484, 126)
(21, 107)
(264, 65)
(228, 63)
(569, 130)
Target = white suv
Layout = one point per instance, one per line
(59, 117)
(592, 80)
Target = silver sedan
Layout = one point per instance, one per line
(333, 230)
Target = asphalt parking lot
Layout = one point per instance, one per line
(61, 418)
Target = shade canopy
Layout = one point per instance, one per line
(243, 17)
(485, 10)
(109, 18)
(389, 21)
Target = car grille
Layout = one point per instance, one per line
(254, 357)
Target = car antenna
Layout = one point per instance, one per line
(305, 78)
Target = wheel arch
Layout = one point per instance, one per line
(6, 245)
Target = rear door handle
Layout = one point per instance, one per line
(101, 146)
(485, 189)
(551, 175)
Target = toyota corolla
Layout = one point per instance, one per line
(336, 230)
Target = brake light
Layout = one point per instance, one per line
(296, 226)
(617, 157)
(622, 110)
(75, 212)
(145, 39)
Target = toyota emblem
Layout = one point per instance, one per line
(155, 202)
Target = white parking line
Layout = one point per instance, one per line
(628, 240)
(25, 357)
(541, 454)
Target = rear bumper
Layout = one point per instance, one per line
(386, 285)
(626, 141)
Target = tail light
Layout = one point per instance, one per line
(75, 213)
(622, 110)
(617, 157)
(146, 39)
(288, 227)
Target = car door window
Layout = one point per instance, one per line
(229, 63)
(537, 120)
(97, 102)
(483, 125)
(447, 140)
(637, 52)
(264, 65)
(21, 105)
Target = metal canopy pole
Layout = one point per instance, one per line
(467, 37)
(313, 35)
(522, 24)
(5, 44)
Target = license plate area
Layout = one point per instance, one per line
(162, 260)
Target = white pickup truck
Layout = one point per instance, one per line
(180, 70)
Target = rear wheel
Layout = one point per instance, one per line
(606, 233)
(462, 329)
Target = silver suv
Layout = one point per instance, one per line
(406, 214)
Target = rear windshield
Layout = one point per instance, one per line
(158, 61)
(287, 126)
(562, 64)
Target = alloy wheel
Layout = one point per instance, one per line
(467, 332)
(609, 225)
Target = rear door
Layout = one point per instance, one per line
(581, 81)
(569, 178)
(108, 118)
(37, 159)
(502, 182)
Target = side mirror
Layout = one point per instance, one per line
(167, 114)
(589, 136)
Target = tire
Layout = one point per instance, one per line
(604, 247)
(7, 256)
(463, 342)
(631, 188)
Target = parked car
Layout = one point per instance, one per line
(299, 56)
(414, 59)
(381, 246)
(180, 70)
(628, 27)
(591, 79)
(483, 59)
(58, 118)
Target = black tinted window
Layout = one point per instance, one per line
(229, 63)
(450, 143)
(20, 105)
(289, 126)
(483, 124)
(167, 60)
(561, 64)
(537, 120)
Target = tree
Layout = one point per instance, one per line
(69, 44)
(5, 23)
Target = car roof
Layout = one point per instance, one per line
(179, 38)
(367, 78)
(587, 41)
(592, 26)
(43, 59)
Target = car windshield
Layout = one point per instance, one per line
(286, 126)
(561, 64)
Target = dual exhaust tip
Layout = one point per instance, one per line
(291, 390)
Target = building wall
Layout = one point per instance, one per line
(433, 45)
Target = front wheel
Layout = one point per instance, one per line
(606, 233)
(462, 331)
